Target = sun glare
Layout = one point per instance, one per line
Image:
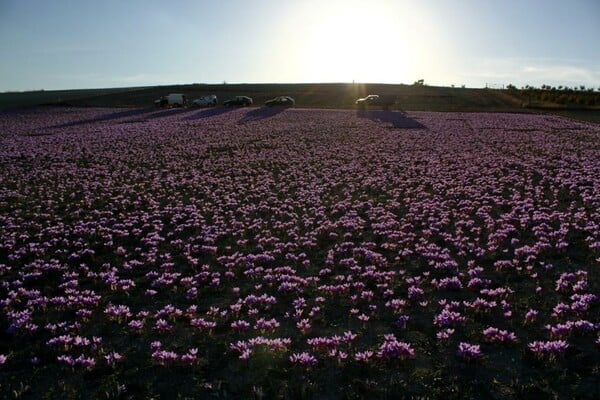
(357, 43)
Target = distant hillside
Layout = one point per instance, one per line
(323, 95)
(55, 97)
(330, 95)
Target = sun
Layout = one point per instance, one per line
(356, 43)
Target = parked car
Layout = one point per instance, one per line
(238, 101)
(281, 101)
(161, 102)
(205, 101)
(173, 99)
(384, 101)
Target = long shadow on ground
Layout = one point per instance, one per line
(261, 113)
(107, 117)
(396, 119)
(168, 113)
(211, 112)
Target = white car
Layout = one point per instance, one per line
(383, 101)
(205, 101)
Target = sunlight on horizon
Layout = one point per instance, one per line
(379, 41)
(356, 43)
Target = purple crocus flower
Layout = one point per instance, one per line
(468, 351)
(304, 359)
(391, 348)
(550, 348)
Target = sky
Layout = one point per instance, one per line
(78, 44)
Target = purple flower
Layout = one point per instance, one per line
(500, 336)
(245, 348)
(162, 357)
(415, 292)
(202, 324)
(531, 315)
(136, 325)
(118, 313)
(363, 356)
(363, 318)
(82, 361)
(303, 359)
(240, 325)
(448, 318)
(162, 326)
(550, 348)
(339, 355)
(64, 359)
(324, 343)
(468, 351)
(266, 325)
(190, 357)
(304, 325)
(113, 358)
(156, 345)
(396, 304)
(391, 348)
(444, 334)
(452, 283)
(402, 321)
(349, 336)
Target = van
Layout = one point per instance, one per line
(173, 99)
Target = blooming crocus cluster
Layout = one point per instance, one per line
(303, 359)
(80, 361)
(190, 357)
(448, 318)
(163, 357)
(246, 348)
(162, 326)
(240, 325)
(391, 348)
(492, 334)
(444, 334)
(117, 313)
(66, 342)
(549, 348)
(202, 324)
(468, 351)
(136, 325)
(113, 358)
(452, 283)
(562, 330)
(363, 356)
(264, 325)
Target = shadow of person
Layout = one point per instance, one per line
(261, 113)
(168, 113)
(108, 117)
(395, 119)
(211, 112)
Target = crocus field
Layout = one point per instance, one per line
(298, 253)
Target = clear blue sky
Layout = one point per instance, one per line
(60, 44)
